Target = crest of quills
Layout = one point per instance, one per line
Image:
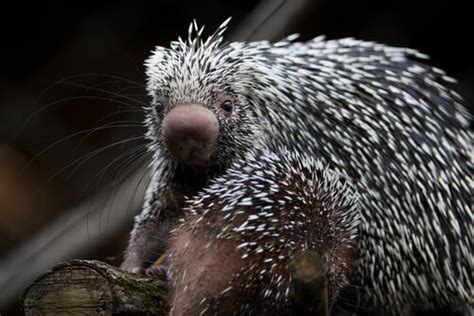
(231, 254)
(376, 114)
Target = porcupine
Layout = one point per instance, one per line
(231, 254)
(376, 114)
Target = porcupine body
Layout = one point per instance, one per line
(231, 255)
(376, 114)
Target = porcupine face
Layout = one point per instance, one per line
(200, 114)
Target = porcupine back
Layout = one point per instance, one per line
(385, 120)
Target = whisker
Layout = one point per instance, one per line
(135, 161)
(78, 85)
(83, 159)
(119, 112)
(145, 176)
(64, 139)
(100, 84)
(130, 88)
(57, 82)
(135, 95)
(120, 92)
(66, 81)
(126, 123)
(130, 153)
(54, 103)
(140, 149)
(138, 159)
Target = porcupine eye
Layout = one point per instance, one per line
(158, 106)
(227, 105)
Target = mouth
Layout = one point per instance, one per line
(192, 154)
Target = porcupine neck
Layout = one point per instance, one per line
(194, 178)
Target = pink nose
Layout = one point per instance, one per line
(190, 133)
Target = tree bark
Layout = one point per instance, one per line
(83, 287)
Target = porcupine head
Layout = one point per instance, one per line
(201, 115)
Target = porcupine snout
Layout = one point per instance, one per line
(190, 132)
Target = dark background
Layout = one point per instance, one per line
(73, 45)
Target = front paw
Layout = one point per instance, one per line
(133, 269)
(157, 271)
(132, 266)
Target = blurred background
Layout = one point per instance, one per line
(72, 158)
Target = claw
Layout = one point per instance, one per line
(157, 271)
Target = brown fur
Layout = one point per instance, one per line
(231, 255)
(201, 267)
(199, 271)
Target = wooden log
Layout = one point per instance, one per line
(83, 287)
